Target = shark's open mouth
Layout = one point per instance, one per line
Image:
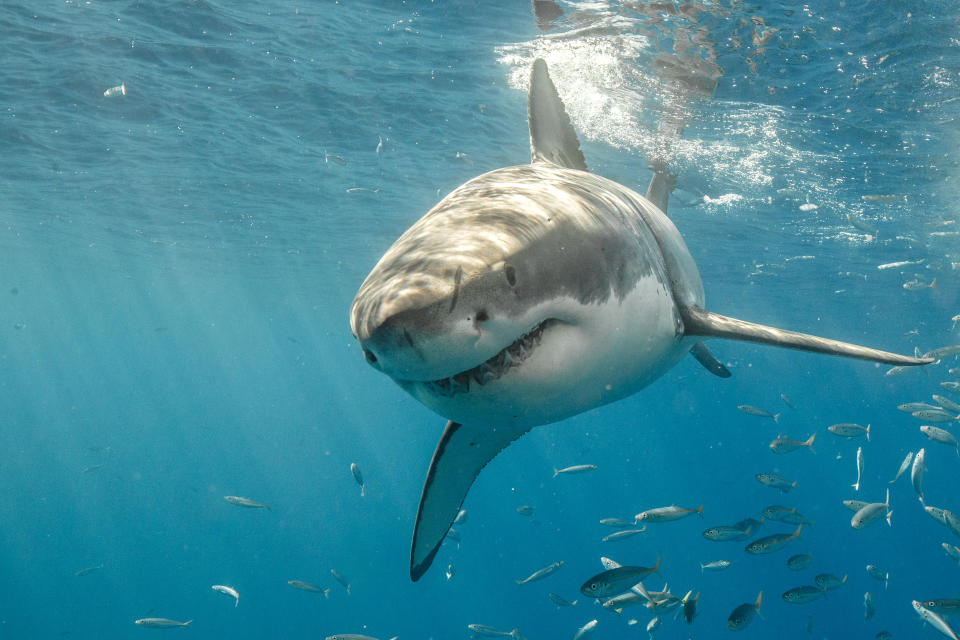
(493, 368)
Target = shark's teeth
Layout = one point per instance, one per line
(493, 368)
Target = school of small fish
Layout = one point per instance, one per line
(619, 587)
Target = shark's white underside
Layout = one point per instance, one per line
(598, 353)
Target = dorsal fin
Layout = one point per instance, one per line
(552, 137)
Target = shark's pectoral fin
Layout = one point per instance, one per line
(709, 361)
(698, 322)
(552, 136)
(462, 452)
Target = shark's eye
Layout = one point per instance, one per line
(511, 274)
(482, 315)
(369, 356)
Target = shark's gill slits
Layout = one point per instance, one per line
(493, 368)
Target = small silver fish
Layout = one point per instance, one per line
(943, 352)
(911, 407)
(245, 502)
(628, 599)
(941, 435)
(615, 581)
(884, 198)
(308, 586)
(903, 467)
(748, 526)
(952, 521)
(526, 510)
(898, 370)
(623, 534)
(947, 404)
(802, 595)
(849, 430)
(855, 505)
(799, 562)
(952, 551)
(782, 444)
(871, 513)
(787, 401)
(934, 620)
(484, 631)
(934, 415)
(916, 473)
(828, 581)
(856, 485)
(795, 518)
(619, 523)
(357, 475)
(936, 513)
(861, 225)
(451, 571)
(349, 636)
(952, 387)
(560, 601)
(160, 623)
(743, 615)
(724, 533)
(916, 285)
(769, 544)
(88, 570)
(751, 410)
(898, 265)
(539, 574)
(688, 607)
(653, 625)
(778, 513)
(667, 514)
(878, 574)
(461, 517)
(775, 481)
(716, 565)
(577, 468)
(585, 630)
(339, 578)
(868, 607)
(230, 591)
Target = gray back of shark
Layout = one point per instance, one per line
(534, 293)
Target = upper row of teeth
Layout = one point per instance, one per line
(492, 369)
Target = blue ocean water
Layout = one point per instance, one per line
(177, 261)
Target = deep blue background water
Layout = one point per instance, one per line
(176, 266)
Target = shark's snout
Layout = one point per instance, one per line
(391, 347)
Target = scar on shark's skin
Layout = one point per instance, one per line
(456, 289)
(570, 291)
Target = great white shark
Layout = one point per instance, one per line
(531, 294)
